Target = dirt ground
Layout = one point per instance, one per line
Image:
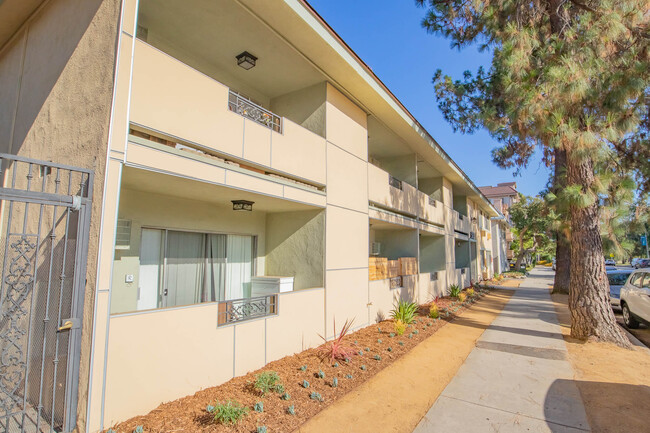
(614, 382)
(395, 400)
(375, 348)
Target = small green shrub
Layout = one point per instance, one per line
(316, 396)
(305, 384)
(361, 353)
(416, 332)
(378, 329)
(367, 349)
(390, 349)
(336, 364)
(348, 376)
(229, 412)
(401, 343)
(377, 358)
(335, 382)
(454, 290)
(379, 340)
(285, 396)
(433, 311)
(411, 335)
(267, 381)
(291, 410)
(404, 312)
(321, 374)
(400, 327)
(259, 407)
(471, 292)
(391, 335)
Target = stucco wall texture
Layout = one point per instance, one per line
(56, 86)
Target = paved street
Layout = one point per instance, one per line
(518, 377)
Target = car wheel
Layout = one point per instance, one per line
(629, 321)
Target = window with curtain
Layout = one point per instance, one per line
(184, 268)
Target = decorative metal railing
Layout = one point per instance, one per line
(395, 282)
(462, 271)
(433, 202)
(472, 235)
(238, 310)
(434, 276)
(251, 110)
(394, 182)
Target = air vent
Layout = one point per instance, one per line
(434, 276)
(375, 248)
(123, 235)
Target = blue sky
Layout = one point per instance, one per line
(388, 36)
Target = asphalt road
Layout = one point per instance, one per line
(642, 333)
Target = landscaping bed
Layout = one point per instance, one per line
(307, 380)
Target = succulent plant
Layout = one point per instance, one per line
(291, 410)
(416, 332)
(347, 360)
(378, 329)
(321, 374)
(261, 429)
(390, 349)
(138, 429)
(259, 406)
(305, 384)
(367, 349)
(303, 368)
(363, 367)
(411, 335)
(335, 382)
(379, 340)
(316, 396)
(377, 358)
(401, 343)
(285, 396)
(209, 408)
(361, 353)
(279, 388)
(391, 335)
(355, 341)
(336, 364)
(348, 376)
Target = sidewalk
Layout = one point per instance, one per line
(518, 377)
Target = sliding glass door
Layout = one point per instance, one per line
(184, 268)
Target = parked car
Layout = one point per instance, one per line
(610, 262)
(635, 299)
(554, 263)
(642, 263)
(634, 261)
(617, 279)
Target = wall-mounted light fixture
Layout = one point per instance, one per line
(474, 220)
(246, 60)
(244, 205)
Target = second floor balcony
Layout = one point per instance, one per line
(391, 193)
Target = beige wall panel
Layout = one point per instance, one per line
(447, 193)
(428, 289)
(10, 70)
(346, 297)
(392, 218)
(101, 320)
(145, 348)
(113, 174)
(381, 299)
(347, 180)
(299, 152)
(297, 326)
(171, 97)
(305, 196)
(257, 143)
(250, 350)
(120, 128)
(346, 239)
(165, 161)
(251, 183)
(433, 213)
(347, 124)
(409, 292)
(129, 16)
(385, 195)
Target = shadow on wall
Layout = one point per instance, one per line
(49, 49)
(610, 407)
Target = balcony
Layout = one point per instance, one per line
(461, 222)
(429, 209)
(391, 193)
(509, 237)
(171, 97)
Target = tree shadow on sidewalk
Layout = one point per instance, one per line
(610, 407)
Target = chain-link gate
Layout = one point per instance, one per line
(44, 223)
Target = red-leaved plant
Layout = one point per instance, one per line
(336, 349)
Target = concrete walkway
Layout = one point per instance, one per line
(518, 377)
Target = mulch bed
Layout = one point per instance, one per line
(188, 414)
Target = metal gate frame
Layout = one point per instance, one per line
(77, 203)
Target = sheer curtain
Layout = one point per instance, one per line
(239, 268)
(185, 268)
(215, 264)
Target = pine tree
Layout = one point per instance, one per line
(566, 75)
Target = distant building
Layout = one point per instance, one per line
(502, 197)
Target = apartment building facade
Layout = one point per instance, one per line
(502, 196)
(232, 169)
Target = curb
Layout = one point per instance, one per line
(635, 341)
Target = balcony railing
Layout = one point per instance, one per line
(250, 110)
(238, 310)
(395, 182)
(433, 202)
(395, 282)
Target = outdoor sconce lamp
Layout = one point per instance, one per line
(246, 60)
(244, 205)
(474, 220)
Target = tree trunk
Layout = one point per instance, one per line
(591, 314)
(522, 250)
(562, 245)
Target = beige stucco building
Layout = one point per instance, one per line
(181, 291)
